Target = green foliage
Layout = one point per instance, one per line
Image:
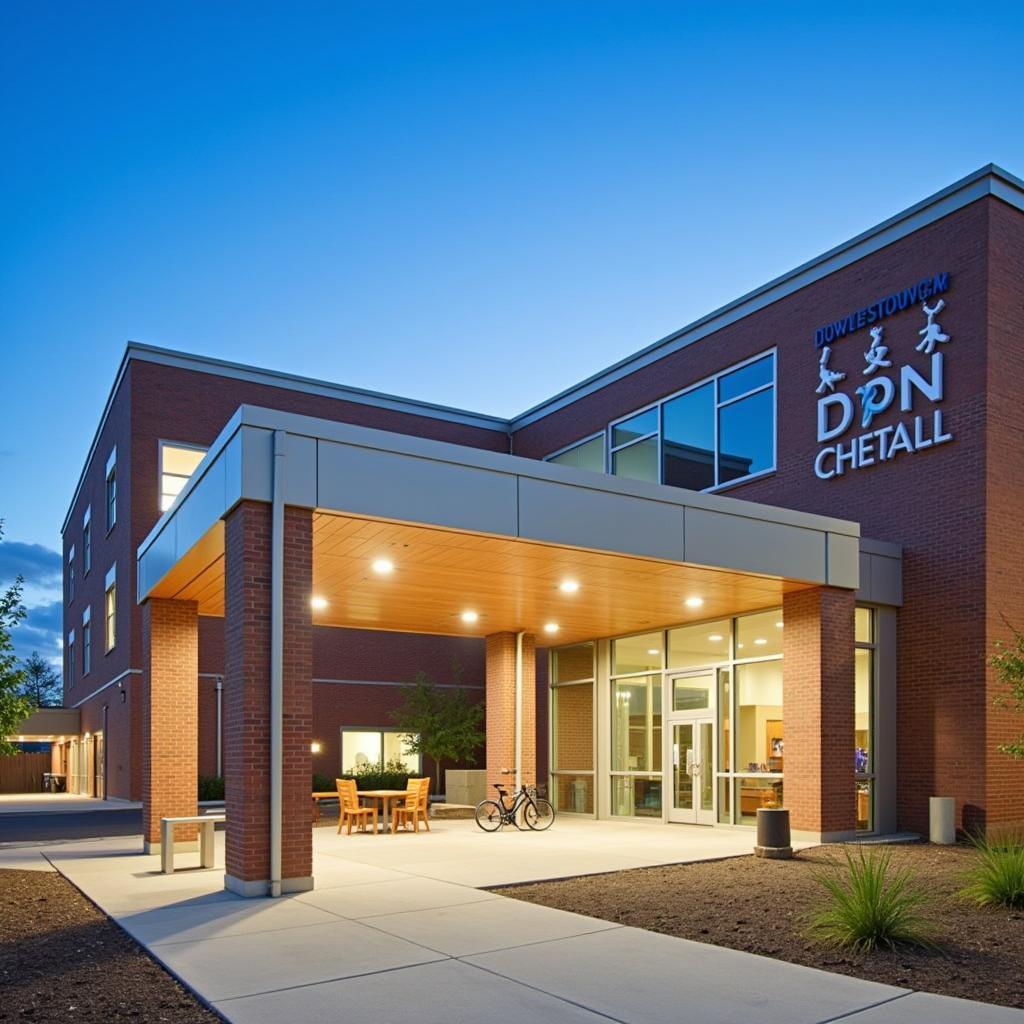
(441, 723)
(1008, 661)
(379, 775)
(211, 787)
(997, 877)
(14, 706)
(324, 783)
(870, 905)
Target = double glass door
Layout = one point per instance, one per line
(690, 753)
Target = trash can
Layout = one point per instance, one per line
(942, 820)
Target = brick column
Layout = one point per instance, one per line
(818, 710)
(169, 714)
(247, 578)
(501, 709)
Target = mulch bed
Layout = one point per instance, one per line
(61, 959)
(760, 905)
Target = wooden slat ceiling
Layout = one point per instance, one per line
(511, 584)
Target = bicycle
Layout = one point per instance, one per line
(493, 814)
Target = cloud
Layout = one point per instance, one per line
(40, 631)
(41, 566)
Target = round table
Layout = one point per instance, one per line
(387, 797)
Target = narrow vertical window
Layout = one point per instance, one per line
(71, 574)
(111, 490)
(110, 609)
(86, 642)
(87, 541)
(177, 463)
(69, 657)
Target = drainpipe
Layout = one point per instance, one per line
(519, 710)
(276, 660)
(106, 747)
(219, 687)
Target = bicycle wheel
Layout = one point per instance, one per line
(488, 815)
(539, 815)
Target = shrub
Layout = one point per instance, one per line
(380, 775)
(997, 877)
(211, 787)
(870, 905)
(324, 783)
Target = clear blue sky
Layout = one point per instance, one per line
(476, 204)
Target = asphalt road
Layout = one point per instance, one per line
(42, 826)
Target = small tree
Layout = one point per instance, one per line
(14, 708)
(1008, 661)
(441, 723)
(42, 684)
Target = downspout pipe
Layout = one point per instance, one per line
(219, 687)
(276, 660)
(519, 710)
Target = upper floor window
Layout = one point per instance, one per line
(110, 609)
(86, 641)
(71, 573)
(87, 541)
(715, 432)
(587, 454)
(111, 490)
(177, 463)
(69, 657)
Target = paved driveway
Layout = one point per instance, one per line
(45, 817)
(392, 934)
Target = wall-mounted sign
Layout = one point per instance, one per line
(881, 385)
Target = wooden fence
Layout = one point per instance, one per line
(23, 773)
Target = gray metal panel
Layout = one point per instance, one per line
(300, 472)
(158, 559)
(886, 580)
(843, 561)
(257, 463)
(864, 590)
(751, 545)
(564, 514)
(202, 507)
(394, 486)
(886, 733)
(233, 471)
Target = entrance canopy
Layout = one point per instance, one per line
(474, 543)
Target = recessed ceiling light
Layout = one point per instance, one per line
(653, 650)
(382, 566)
(715, 638)
(318, 604)
(550, 627)
(470, 616)
(694, 602)
(760, 641)
(568, 586)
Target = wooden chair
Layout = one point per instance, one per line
(349, 809)
(414, 808)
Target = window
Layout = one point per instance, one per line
(587, 454)
(110, 609)
(177, 464)
(71, 573)
(111, 490)
(69, 659)
(864, 713)
(87, 541)
(713, 433)
(572, 729)
(360, 747)
(86, 642)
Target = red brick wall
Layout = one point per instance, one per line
(818, 703)
(501, 709)
(169, 738)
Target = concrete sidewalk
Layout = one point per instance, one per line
(375, 942)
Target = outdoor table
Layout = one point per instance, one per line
(387, 797)
(322, 794)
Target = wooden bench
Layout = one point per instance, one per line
(206, 823)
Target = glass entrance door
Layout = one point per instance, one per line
(690, 743)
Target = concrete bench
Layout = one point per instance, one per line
(206, 823)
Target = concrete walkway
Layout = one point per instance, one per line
(391, 934)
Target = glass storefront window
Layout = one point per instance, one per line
(864, 626)
(635, 427)
(569, 664)
(760, 635)
(637, 462)
(360, 747)
(746, 436)
(688, 447)
(754, 793)
(572, 712)
(725, 720)
(589, 455)
(637, 654)
(636, 796)
(636, 745)
(573, 794)
(704, 644)
(759, 737)
(692, 693)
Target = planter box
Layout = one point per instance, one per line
(464, 787)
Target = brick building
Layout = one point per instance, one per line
(764, 559)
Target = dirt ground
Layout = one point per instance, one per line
(760, 905)
(61, 959)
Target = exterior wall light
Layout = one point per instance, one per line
(315, 747)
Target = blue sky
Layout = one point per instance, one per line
(475, 204)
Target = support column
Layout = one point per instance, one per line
(247, 600)
(501, 709)
(818, 710)
(169, 712)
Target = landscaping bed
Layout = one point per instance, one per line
(61, 959)
(759, 906)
